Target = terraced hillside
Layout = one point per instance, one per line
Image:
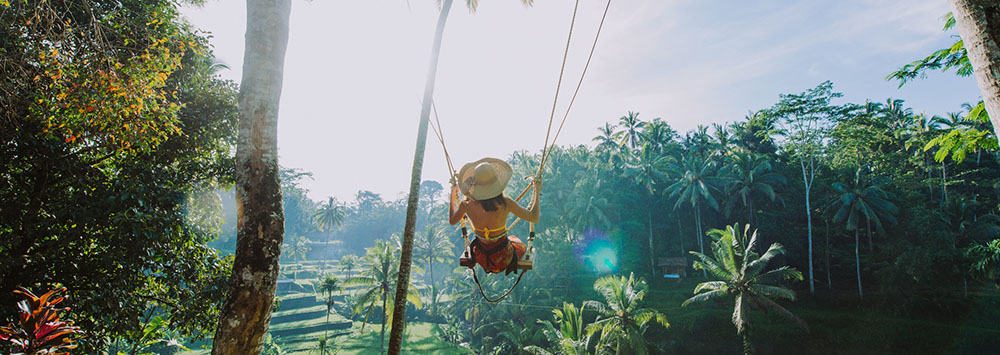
(301, 320)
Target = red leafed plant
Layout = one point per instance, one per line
(39, 330)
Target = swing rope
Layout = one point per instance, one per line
(547, 147)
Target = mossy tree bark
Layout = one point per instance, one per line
(406, 257)
(260, 218)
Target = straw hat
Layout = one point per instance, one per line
(485, 178)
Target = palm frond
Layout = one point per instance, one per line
(713, 267)
(780, 274)
(711, 285)
(781, 310)
(772, 291)
(702, 297)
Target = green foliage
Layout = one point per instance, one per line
(986, 260)
(953, 56)
(741, 273)
(863, 199)
(567, 330)
(970, 135)
(297, 248)
(377, 280)
(109, 137)
(621, 319)
(329, 216)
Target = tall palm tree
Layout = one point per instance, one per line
(348, 263)
(659, 134)
(722, 140)
(434, 247)
(750, 174)
(698, 142)
(377, 280)
(620, 318)
(867, 200)
(329, 284)
(696, 187)
(895, 116)
(413, 197)
(329, 217)
(606, 140)
(630, 134)
(919, 132)
(297, 250)
(756, 132)
(571, 337)
(243, 321)
(646, 168)
(740, 273)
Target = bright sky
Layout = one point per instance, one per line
(355, 70)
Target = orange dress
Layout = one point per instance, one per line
(497, 254)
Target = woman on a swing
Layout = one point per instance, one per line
(483, 182)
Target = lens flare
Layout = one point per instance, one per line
(597, 252)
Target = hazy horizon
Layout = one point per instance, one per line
(354, 73)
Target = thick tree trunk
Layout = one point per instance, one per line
(399, 318)
(857, 262)
(978, 23)
(260, 218)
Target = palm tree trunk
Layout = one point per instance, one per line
(329, 241)
(930, 185)
(857, 262)
(246, 313)
(701, 244)
(978, 23)
(944, 188)
(868, 228)
(399, 320)
(747, 344)
(829, 278)
(430, 269)
(385, 299)
(652, 254)
(680, 237)
(807, 181)
(326, 326)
